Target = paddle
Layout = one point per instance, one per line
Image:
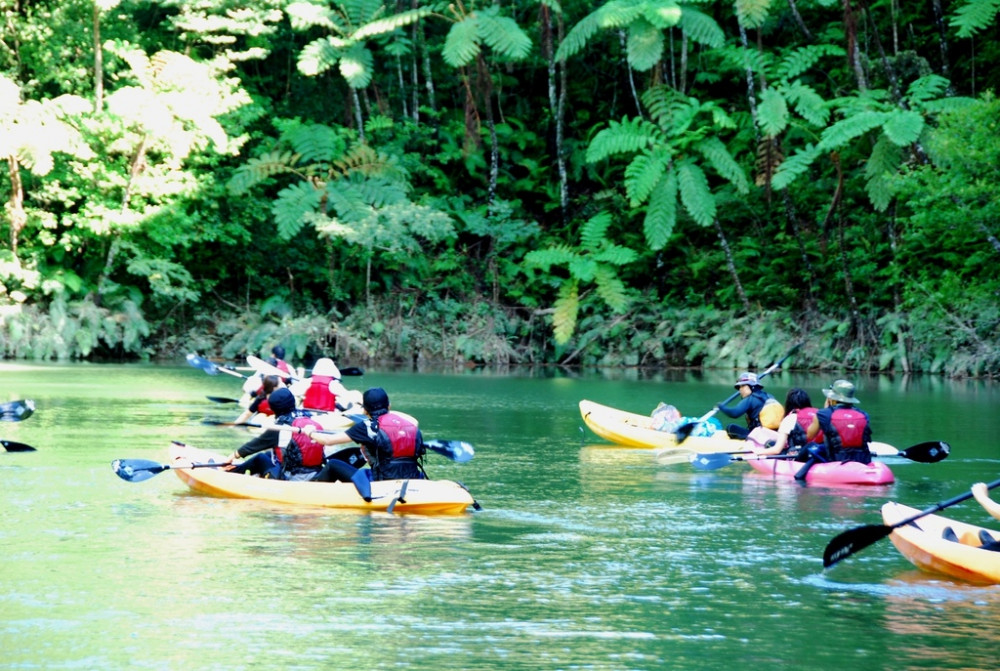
(858, 538)
(682, 432)
(456, 450)
(16, 411)
(930, 452)
(222, 399)
(211, 367)
(13, 446)
(265, 368)
(137, 470)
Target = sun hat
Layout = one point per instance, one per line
(749, 379)
(841, 391)
(327, 368)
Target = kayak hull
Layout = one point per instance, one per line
(629, 429)
(423, 497)
(924, 547)
(831, 473)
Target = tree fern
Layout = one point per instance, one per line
(643, 174)
(800, 60)
(304, 15)
(661, 213)
(772, 113)
(842, 132)
(695, 193)
(292, 203)
(794, 166)
(808, 104)
(974, 16)
(320, 55)
(926, 88)
(644, 47)
(389, 24)
(503, 35)
(903, 127)
(628, 135)
(257, 169)
(461, 45)
(752, 13)
(713, 149)
(701, 28)
(313, 142)
(357, 65)
(564, 315)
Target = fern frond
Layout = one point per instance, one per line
(578, 36)
(543, 259)
(661, 213)
(713, 149)
(695, 193)
(809, 104)
(582, 268)
(356, 65)
(379, 191)
(769, 158)
(564, 316)
(752, 13)
(611, 290)
(350, 203)
(615, 255)
(291, 205)
(461, 46)
(320, 55)
(662, 13)
(879, 192)
(794, 166)
(389, 24)
(951, 104)
(626, 136)
(926, 88)
(503, 35)
(378, 122)
(802, 59)
(903, 127)
(644, 172)
(594, 230)
(644, 47)
(772, 113)
(257, 169)
(974, 16)
(701, 28)
(366, 160)
(842, 132)
(303, 15)
(885, 159)
(314, 142)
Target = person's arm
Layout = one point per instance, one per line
(813, 429)
(982, 495)
(328, 439)
(737, 410)
(265, 441)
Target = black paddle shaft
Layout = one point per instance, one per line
(858, 538)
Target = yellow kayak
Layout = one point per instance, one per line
(921, 542)
(424, 497)
(629, 429)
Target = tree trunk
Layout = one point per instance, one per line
(15, 206)
(853, 52)
(731, 264)
(799, 22)
(557, 101)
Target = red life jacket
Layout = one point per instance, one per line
(318, 395)
(804, 417)
(850, 424)
(311, 452)
(283, 366)
(402, 434)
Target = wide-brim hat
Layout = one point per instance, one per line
(326, 368)
(841, 391)
(748, 379)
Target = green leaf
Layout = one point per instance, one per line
(904, 127)
(461, 46)
(644, 172)
(695, 193)
(291, 206)
(626, 136)
(794, 166)
(594, 230)
(356, 64)
(644, 46)
(320, 55)
(661, 213)
(503, 35)
(772, 114)
(974, 16)
(701, 28)
(842, 132)
(564, 317)
(713, 149)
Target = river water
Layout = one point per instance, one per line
(585, 556)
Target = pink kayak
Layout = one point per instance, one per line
(831, 473)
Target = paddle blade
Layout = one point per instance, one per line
(137, 470)
(853, 540)
(456, 450)
(16, 411)
(711, 461)
(204, 364)
(13, 446)
(222, 399)
(930, 452)
(682, 432)
(352, 371)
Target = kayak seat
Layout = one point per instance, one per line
(949, 535)
(988, 541)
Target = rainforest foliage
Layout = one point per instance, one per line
(633, 182)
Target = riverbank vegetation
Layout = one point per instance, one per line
(635, 182)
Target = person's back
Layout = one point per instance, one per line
(753, 400)
(846, 429)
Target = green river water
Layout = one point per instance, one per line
(585, 556)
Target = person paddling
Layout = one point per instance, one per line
(791, 433)
(846, 430)
(753, 397)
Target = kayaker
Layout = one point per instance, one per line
(278, 360)
(791, 433)
(259, 404)
(984, 538)
(391, 443)
(288, 455)
(321, 390)
(846, 430)
(753, 397)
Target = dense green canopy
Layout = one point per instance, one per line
(637, 182)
